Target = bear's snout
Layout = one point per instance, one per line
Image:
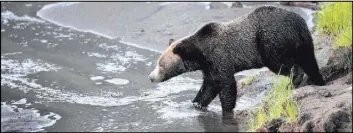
(151, 78)
(154, 75)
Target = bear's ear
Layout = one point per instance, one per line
(186, 51)
(208, 29)
(171, 41)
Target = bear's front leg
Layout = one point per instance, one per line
(227, 97)
(206, 94)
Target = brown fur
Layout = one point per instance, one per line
(168, 58)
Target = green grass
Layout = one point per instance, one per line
(247, 81)
(277, 103)
(335, 19)
(344, 39)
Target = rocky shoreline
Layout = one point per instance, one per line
(322, 108)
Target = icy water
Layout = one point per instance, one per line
(84, 66)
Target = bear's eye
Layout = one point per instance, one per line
(162, 65)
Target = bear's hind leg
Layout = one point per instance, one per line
(308, 62)
(286, 68)
(228, 97)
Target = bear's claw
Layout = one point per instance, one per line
(199, 107)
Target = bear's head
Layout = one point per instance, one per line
(184, 55)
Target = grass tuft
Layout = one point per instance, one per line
(247, 81)
(335, 19)
(277, 104)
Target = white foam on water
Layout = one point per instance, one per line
(15, 119)
(110, 66)
(120, 62)
(107, 47)
(173, 110)
(162, 92)
(25, 67)
(18, 70)
(14, 53)
(117, 81)
(175, 85)
(21, 101)
(61, 35)
(132, 55)
(97, 78)
(14, 74)
(149, 64)
(57, 95)
(170, 110)
(43, 41)
(8, 15)
(96, 55)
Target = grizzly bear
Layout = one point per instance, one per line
(269, 37)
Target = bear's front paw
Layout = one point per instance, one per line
(199, 107)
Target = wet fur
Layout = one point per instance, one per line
(269, 36)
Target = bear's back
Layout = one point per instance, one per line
(270, 16)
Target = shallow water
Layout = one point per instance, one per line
(86, 65)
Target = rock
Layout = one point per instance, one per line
(338, 65)
(304, 92)
(339, 118)
(324, 108)
(332, 122)
(325, 93)
(274, 125)
(237, 4)
(311, 5)
(307, 127)
(304, 117)
(336, 120)
(349, 78)
(262, 129)
(289, 127)
(218, 5)
(261, 83)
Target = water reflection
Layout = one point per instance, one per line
(215, 122)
